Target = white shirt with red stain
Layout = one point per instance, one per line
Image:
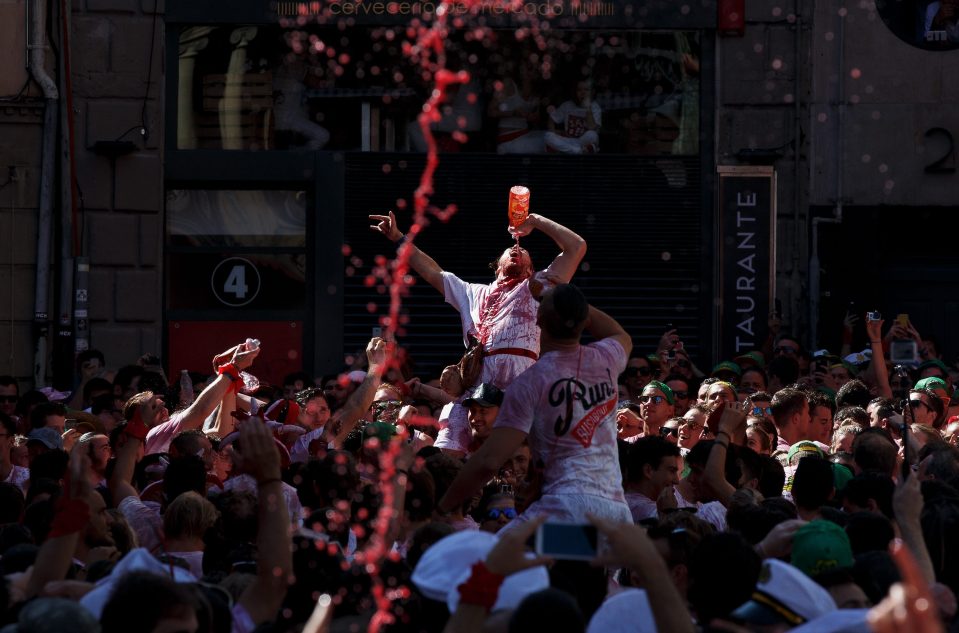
(566, 402)
(512, 325)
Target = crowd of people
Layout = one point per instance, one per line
(780, 490)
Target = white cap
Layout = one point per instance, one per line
(859, 358)
(449, 562)
(785, 594)
(838, 621)
(627, 611)
(138, 559)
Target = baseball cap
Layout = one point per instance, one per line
(784, 594)
(53, 395)
(838, 621)
(486, 395)
(931, 382)
(448, 564)
(667, 392)
(831, 393)
(852, 369)
(727, 365)
(285, 411)
(47, 436)
(750, 359)
(859, 358)
(934, 362)
(627, 610)
(841, 475)
(357, 375)
(820, 546)
(804, 448)
(138, 559)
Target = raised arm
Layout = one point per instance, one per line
(345, 418)
(628, 545)
(224, 423)
(133, 437)
(422, 263)
(274, 564)
(433, 394)
(208, 400)
(572, 247)
(907, 505)
(732, 425)
(72, 514)
(600, 325)
(481, 466)
(877, 365)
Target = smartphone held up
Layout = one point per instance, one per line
(567, 541)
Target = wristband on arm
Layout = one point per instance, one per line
(482, 588)
(72, 516)
(136, 428)
(230, 371)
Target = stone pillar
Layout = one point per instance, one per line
(192, 41)
(231, 106)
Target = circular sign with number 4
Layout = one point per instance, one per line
(235, 281)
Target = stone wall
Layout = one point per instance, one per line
(121, 218)
(893, 93)
(760, 84)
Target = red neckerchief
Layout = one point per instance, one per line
(492, 305)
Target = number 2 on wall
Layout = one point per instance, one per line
(939, 166)
(235, 282)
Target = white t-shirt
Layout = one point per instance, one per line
(247, 483)
(513, 325)
(159, 437)
(641, 506)
(566, 402)
(573, 118)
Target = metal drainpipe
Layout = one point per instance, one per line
(36, 47)
(796, 278)
(840, 182)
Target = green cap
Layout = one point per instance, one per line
(821, 546)
(382, 431)
(805, 448)
(932, 382)
(727, 365)
(670, 397)
(826, 390)
(852, 369)
(934, 362)
(751, 358)
(841, 475)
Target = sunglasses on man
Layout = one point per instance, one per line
(760, 411)
(653, 399)
(10, 399)
(668, 430)
(496, 513)
(632, 372)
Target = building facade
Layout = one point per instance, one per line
(203, 211)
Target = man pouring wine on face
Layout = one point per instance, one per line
(498, 319)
